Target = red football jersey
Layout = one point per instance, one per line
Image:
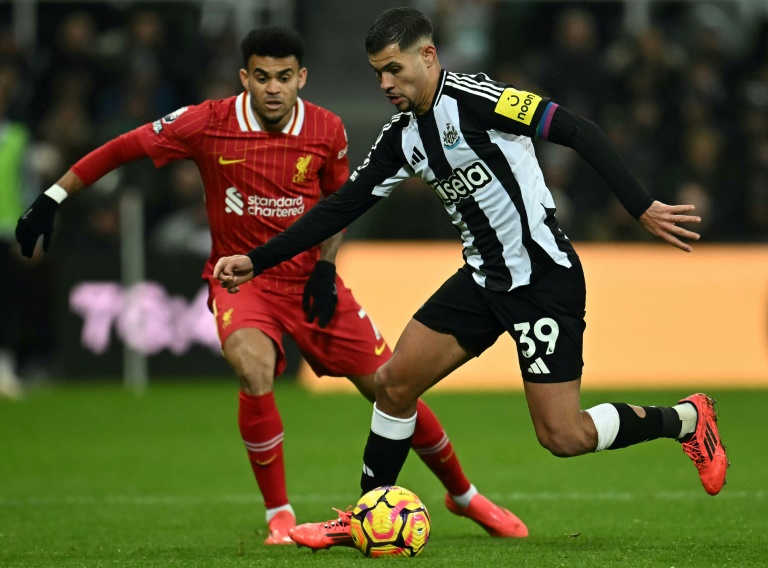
(257, 183)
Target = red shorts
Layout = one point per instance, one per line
(350, 345)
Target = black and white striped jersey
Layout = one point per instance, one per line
(474, 148)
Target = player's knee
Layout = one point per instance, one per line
(256, 375)
(392, 391)
(256, 384)
(562, 443)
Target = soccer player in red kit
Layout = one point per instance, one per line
(266, 157)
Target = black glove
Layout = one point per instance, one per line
(36, 221)
(320, 297)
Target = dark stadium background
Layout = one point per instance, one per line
(680, 87)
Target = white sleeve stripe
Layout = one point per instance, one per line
(472, 91)
(470, 79)
(476, 90)
(471, 82)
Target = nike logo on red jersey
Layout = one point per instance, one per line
(224, 162)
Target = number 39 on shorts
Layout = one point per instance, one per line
(545, 330)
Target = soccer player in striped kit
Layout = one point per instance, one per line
(470, 137)
(267, 157)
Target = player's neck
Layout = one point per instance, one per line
(433, 83)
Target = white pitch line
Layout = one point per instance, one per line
(253, 499)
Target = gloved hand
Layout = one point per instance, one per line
(320, 296)
(36, 221)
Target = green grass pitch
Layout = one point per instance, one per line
(90, 476)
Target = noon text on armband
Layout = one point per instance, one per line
(462, 183)
(271, 207)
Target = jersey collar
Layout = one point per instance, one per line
(440, 85)
(435, 98)
(247, 119)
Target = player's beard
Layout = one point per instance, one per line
(408, 105)
(405, 104)
(269, 117)
(273, 120)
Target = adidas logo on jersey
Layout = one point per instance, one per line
(538, 367)
(416, 157)
(462, 183)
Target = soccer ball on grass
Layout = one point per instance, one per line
(390, 521)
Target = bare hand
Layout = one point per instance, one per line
(662, 220)
(233, 271)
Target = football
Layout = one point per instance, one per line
(390, 521)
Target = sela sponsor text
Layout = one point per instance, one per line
(462, 183)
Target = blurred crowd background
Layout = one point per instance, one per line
(681, 88)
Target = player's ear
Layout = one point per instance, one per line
(302, 77)
(244, 78)
(429, 54)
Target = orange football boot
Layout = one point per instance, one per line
(704, 446)
(279, 526)
(497, 521)
(319, 536)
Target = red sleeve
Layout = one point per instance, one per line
(336, 169)
(174, 136)
(125, 148)
(167, 139)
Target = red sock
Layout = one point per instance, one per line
(262, 432)
(435, 449)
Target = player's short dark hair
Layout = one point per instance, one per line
(403, 26)
(272, 41)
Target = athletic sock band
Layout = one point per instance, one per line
(606, 420)
(390, 427)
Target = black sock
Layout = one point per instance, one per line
(659, 422)
(382, 461)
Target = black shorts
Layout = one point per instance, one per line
(546, 320)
